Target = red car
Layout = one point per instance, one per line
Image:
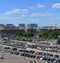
(1, 57)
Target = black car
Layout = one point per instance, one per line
(51, 59)
(14, 49)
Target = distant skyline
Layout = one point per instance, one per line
(41, 12)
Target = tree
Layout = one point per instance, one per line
(19, 34)
(28, 34)
(3, 36)
(40, 35)
(58, 33)
(53, 34)
(45, 34)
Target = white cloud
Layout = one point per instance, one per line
(40, 14)
(56, 5)
(37, 6)
(31, 7)
(16, 11)
(40, 5)
(14, 14)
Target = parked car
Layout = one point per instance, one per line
(1, 57)
(16, 53)
(14, 49)
(57, 61)
(51, 59)
(44, 58)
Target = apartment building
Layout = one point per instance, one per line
(22, 26)
(31, 28)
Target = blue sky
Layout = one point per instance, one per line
(41, 12)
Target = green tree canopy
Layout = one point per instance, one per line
(19, 34)
(28, 34)
(53, 34)
(45, 34)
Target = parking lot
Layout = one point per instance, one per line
(9, 58)
(40, 52)
(32, 54)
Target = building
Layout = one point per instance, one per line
(31, 28)
(1, 27)
(21, 26)
(11, 25)
(11, 30)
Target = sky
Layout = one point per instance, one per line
(41, 12)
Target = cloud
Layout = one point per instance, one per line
(16, 11)
(40, 14)
(14, 14)
(56, 5)
(40, 5)
(32, 8)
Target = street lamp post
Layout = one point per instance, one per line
(47, 52)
